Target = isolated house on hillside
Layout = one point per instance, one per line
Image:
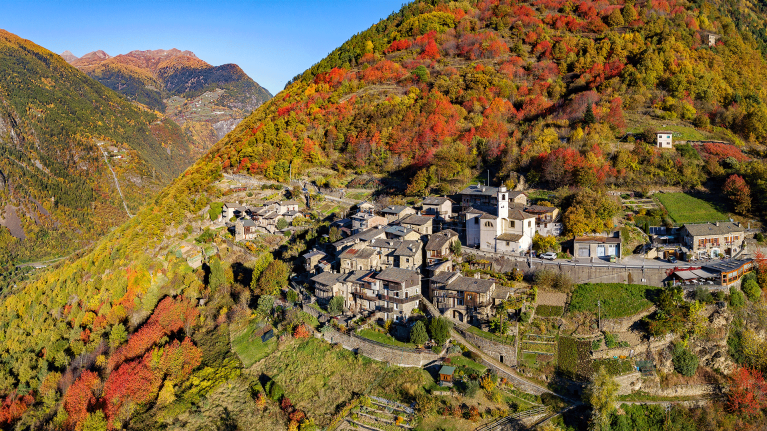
(664, 139)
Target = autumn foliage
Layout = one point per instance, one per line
(748, 391)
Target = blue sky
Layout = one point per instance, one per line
(271, 40)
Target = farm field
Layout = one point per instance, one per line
(683, 208)
(618, 300)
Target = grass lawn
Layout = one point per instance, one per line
(504, 339)
(250, 350)
(683, 208)
(319, 378)
(462, 361)
(384, 338)
(618, 300)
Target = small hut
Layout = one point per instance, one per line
(446, 375)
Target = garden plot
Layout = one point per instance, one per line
(638, 204)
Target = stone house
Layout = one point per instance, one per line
(419, 223)
(400, 292)
(394, 213)
(326, 286)
(312, 261)
(401, 232)
(232, 209)
(547, 220)
(664, 139)
(395, 253)
(366, 220)
(361, 237)
(462, 298)
(362, 290)
(287, 206)
(245, 229)
(600, 247)
(713, 239)
(438, 247)
(359, 258)
(438, 207)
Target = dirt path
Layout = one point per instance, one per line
(117, 184)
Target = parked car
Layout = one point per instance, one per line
(549, 255)
(671, 259)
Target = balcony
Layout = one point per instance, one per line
(398, 300)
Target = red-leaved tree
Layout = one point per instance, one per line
(739, 193)
(748, 391)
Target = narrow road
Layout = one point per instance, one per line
(115, 177)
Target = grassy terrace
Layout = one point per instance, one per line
(683, 208)
(618, 300)
(462, 361)
(507, 339)
(250, 349)
(384, 338)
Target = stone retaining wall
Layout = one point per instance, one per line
(623, 324)
(626, 351)
(583, 272)
(503, 353)
(378, 352)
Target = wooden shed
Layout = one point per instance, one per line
(446, 375)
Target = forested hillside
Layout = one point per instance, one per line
(56, 192)
(565, 93)
(208, 101)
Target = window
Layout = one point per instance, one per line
(529, 224)
(396, 307)
(503, 197)
(488, 224)
(512, 223)
(507, 243)
(476, 220)
(407, 295)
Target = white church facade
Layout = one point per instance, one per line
(507, 231)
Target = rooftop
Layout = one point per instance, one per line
(479, 190)
(540, 209)
(438, 240)
(728, 265)
(314, 253)
(447, 370)
(519, 215)
(597, 240)
(326, 278)
(435, 200)
(408, 248)
(398, 230)
(398, 275)
(394, 209)
(509, 237)
(468, 284)
(703, 229)
(416, 220)
(358, 253)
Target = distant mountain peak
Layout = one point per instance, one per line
(101, 55)
(173, 52)
(68, 56)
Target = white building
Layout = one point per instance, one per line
(665, 139)
(506, 231)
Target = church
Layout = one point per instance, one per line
(500, 229)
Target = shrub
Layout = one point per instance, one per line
(292, 296)
(274, 391)
(737, 299)
(703, 295)
(336, 306)
(471, 388)
(439, 329)
(685, 362)
(759, 237)
(751, 289)
(418, 335)
(282, 224)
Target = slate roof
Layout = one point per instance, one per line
(705, 229)
(313, 253)
(478, 190)
(398, 230)
(286, 203)
(386, 243)
(327, 278)
(438, 240)
(540, 209)
(416, 220)
(248, 223)
(519, 215)
(510, 237)
(360, 277)
(444, 277)
(513, 195)
(469, 284)
(408, 248)
(394, 209)
(435, 200)
(397, 275)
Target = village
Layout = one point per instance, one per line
(522, 300)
